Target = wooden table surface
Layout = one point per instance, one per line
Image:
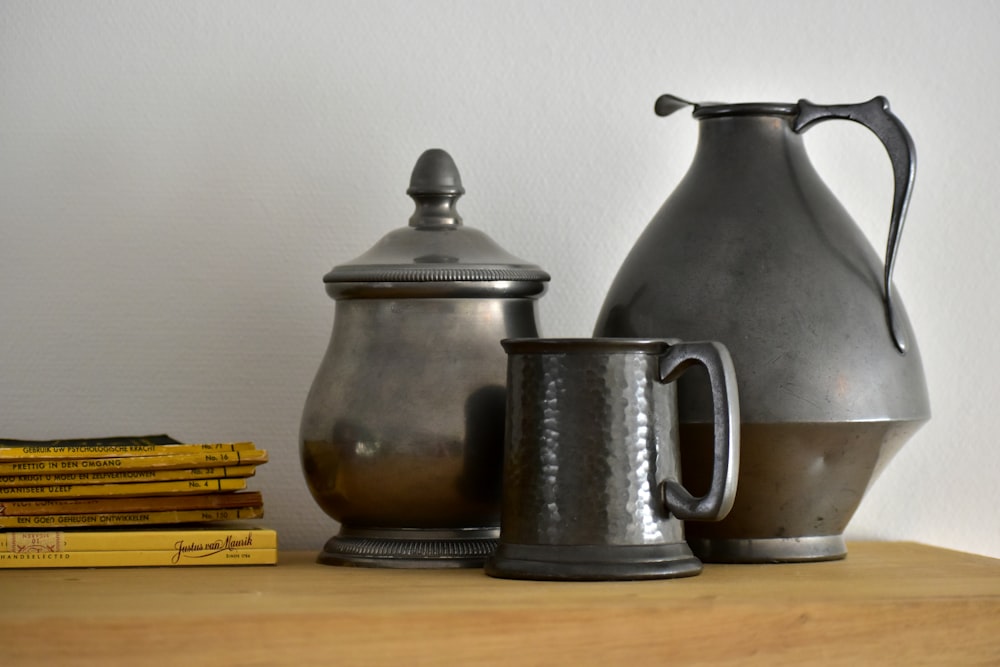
(887, 603)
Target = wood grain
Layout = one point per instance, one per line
(887, 603)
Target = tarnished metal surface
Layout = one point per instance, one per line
(591, 446)
(402, 432)
(754, 251)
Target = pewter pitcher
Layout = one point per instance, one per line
(753, 250)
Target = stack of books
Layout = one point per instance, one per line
(69, 497)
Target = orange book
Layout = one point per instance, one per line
(186, 459)
(204, 501)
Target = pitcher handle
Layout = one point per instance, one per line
(717, 502)
(875, 115)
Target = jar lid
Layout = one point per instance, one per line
(437, 247)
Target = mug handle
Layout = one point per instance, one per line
(714, 357)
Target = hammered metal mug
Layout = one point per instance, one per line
(591, 476)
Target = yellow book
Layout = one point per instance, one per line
(161, 439)
(186, 540)
(92, 451)
(139, 518)
(118, 476)
(160, 462)
(197, 501)
(189, 486)
(164, 558)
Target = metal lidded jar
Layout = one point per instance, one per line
(402, 433)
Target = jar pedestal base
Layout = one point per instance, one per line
(410, 547)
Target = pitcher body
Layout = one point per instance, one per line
(753, 250)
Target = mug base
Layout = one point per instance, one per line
(409, 547)
(770, 550)
(592, 562)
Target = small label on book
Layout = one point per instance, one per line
(35, 543)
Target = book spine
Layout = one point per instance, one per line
(80, 442)
(197, 540)
(103, 519)
(173, 461)
(124, 489)
(32, 452)
(118, 476)
(197, 501)
(164, 558)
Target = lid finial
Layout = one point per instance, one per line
(435, 186)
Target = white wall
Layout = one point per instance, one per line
(176, 177)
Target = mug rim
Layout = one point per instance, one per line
(604, 345)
